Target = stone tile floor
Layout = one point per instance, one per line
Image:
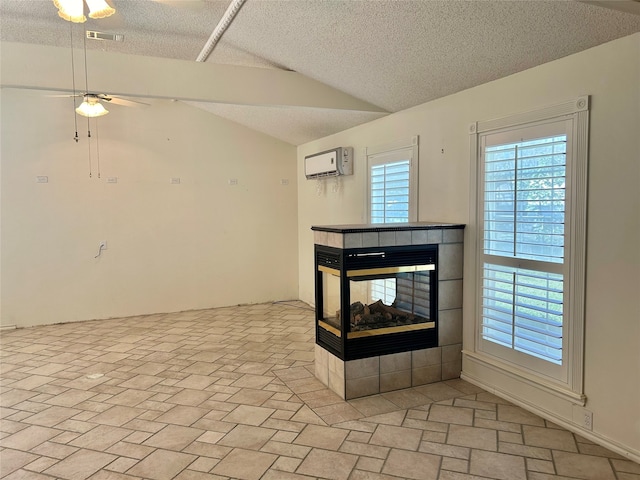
(229, 393)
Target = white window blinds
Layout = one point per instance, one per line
(383, 289)
(523, 207)
(389, 201)
(524, 201)
(522, 310)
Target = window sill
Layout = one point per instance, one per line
(558, 390)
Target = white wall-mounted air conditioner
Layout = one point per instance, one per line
(330, 163)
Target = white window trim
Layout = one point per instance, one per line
(413, 172)
(577, 109)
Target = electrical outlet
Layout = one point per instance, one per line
(582, 417)
(233, 181)
(587, 419)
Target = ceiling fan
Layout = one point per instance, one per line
(91, 105)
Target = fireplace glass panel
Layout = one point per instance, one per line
(388, 302)
(397, 301)
(331, 296)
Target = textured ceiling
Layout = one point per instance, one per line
(392, 54)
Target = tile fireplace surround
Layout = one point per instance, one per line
(378, 374)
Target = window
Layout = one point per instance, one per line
(390, 192)
(392, 182)
(392, 196)
(524, 218)
(530, 211)
(383, 289)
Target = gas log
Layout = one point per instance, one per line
(377, 315)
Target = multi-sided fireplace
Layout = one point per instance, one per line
(388, 306)
(376, 300)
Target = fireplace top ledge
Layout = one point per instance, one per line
(386, 227)
(389, 234)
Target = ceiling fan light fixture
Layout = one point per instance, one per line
(71, 10)
(99, 9)
(91, 107)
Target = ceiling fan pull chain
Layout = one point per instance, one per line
(73, 80)
(98, 147)
(89, 142)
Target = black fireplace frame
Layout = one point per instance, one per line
(343, 260)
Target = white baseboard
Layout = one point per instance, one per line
(589, 435)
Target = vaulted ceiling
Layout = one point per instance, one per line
(382, 56)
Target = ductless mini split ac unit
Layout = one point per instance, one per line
(330, 163)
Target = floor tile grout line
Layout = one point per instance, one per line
(475, 410)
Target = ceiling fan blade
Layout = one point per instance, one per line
(122, 101)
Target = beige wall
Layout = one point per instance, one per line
(194, 245)
(611, 75)
(199, 244)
